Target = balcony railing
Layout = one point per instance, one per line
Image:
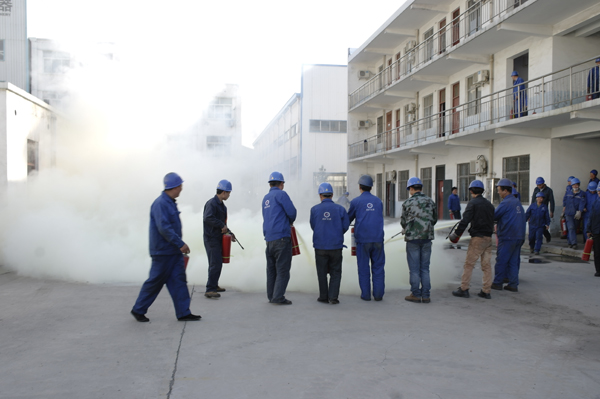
(479, 16)
(556, 90)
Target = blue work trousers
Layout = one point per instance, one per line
(418, 257)
(586, 222)
(536, 236)
(572, 225)
(169, 270)
(279, 262)
(508, 262)
(329, 261)
(371, 252)
(214, 251)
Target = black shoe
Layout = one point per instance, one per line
(378, 299)
(334, 302)
(212, 294)
(190, 317)
(139, 317)
(484, 295)
(323, 300)
(512, 289)
(285, 302)
(597, 275)
(497, 286)
(219, 289)
(461, 293)
(365, 299)
(426, 300)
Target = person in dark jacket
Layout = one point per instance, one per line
(329, 222)
(590, 198)
(593, 231)
(480, 215)
(166, 249)
(539, 220)
(454, 204)
(573, 206)
(548, 200)
(215, 225)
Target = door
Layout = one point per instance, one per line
(455, 27)
(442, 37)
(447, 192)
(455, 111)
(390, 199)
(398, 128)
(442, 114)
(389, 74)
(440, 175)
(388, 130)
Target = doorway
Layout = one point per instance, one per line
(456, 26)
(442, 36)
(455, 104)
(442, 114)
(390, 199)
(388, 130)
(440, 175)
(521, 65)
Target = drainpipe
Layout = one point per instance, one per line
(492, 73)
(491, 169)
(416, 165)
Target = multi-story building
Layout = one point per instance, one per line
(13, 43)
(431, 95)
(306, 140)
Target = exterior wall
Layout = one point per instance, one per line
(13, 30)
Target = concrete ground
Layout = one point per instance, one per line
(68, 340)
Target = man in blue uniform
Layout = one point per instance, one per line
(279, 214)
(519, 96)
(569, 188)
(548, 200)
(329, 222)
(593, 81)
(215, 225)
(454, 204)
(590, 198)
(593, 176)
(539, 221)
(573, 206)
(516, 193)
(367, 210)
(593, 231)
(166, 250)
(511, 222)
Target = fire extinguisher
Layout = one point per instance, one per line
(587, 251)
(226, 248)
(563, 228)
(451, 231)
(353, 242)
(295, 246)
(186, 259)
(451, 215)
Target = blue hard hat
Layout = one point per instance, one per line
(504, 183)
(597, 59)
(540, 194)
(346, 193)
(540, 180)
(592, 186)
(570, 178)
(514, 184)
(515, 73)
(476, 184)
(224, 185)
(413, 181)
(172, 180)
(575, 181)
(325, 188)
(366, 180)
(276, 176)
(594, 171)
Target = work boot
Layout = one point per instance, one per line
(212, 294)
(190, 317)
(484, 295)
(412, 298)
(323, 300)
(219, 289)
(142, 318)
(597, 275)
(426, 300)
(285, 302)
(512, 289)
(461, 293)
(497, 286)
(378, 299)
(334, 301)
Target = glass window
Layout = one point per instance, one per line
(402, 182)
(464, 179)
(219, 145)
(325, 126)
(516, 169)
(474, 97)
(221, 108)
(428, 111)
(426, 179)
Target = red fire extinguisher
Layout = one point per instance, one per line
(226, 251)
(186, 259)
(295, 246)
(454, 241)
(587, 251)
(353, 251)
(451, 215)
(563, 228)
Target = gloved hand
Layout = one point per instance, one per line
(578, 215)
(453, 237)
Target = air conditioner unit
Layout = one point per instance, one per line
(479, 166)
(364, 124)
(481, 77)
(364, 74)
(412, 108)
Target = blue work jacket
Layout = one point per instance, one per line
(593, 80)
(538, 216)
(516, 194)
(453, 202)
(569, 189)
(574, 202)
(367, 209)
(215, 218)
(165, 227)
(511, 220)
(590, 198)
(278, 214)
(329, 222)
(593, 225)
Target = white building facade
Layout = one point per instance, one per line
(431, 95)
(13, 43)
(306, 140)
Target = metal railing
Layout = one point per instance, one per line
(480, 15)
(573, 85)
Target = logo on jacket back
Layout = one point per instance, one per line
(370, 207)
(267, 204)
(326, 216)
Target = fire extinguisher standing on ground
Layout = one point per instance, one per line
(587, 250)
(353, 242)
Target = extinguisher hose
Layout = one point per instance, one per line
(235, 238)
(452, 230)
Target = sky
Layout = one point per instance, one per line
(190, 48)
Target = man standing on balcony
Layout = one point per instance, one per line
(454, 204)
(367, 209)
(519, 96)
(419, 215)
(573, 206)
(593, 81)
(548, 200)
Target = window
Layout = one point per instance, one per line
(402, 182)
(426, 179)
(474, 96)
(56, 62)
(293, 130)
(464, 179)
(1, 50)
(428, 38)
(428, 111)
(32, 155)
(221, 108)
(409, 116)
(379, 188)
(219, 145)
(380, 130)
(474, 9)
(517, 169)
(323, 126)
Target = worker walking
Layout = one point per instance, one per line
(511, 223)
(539, 221)
(590, 198)
(454, 204)
(573, 206)
(344, 201)
(166, 250)
(329, 222)
(480, 215)
(419, 215)
(367, 211)
(593, 231)
(548, 200)
(215, 225)
(279, 215)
